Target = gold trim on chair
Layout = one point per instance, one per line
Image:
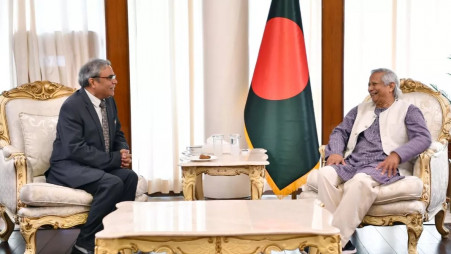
(20, 163)
(38, 90)
(29, 227)
(413, 222)
(6, 232)
(409, 86)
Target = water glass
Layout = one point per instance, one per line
(235, 144)
(217, 144)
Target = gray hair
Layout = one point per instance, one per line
(389, 77)
(90, 70)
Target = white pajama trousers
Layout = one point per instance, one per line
(348, 202)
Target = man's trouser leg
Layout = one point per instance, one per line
(106, 193)
(359, 194)
(329, 191)
(130, 180)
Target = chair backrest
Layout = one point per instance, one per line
(28, 116)
(434, 106)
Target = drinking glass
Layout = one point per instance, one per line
(235, 144)
(217, 144)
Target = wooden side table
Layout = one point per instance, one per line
(252, 164)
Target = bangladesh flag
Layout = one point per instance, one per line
(279, 113)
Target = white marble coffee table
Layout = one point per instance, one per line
(218, 226)
(252, 164)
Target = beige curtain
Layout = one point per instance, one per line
(410, 37)
(6, 49)
(163, 87)
(226, 83)
(51, 39)
(190, 73)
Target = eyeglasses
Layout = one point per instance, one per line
(111, 77)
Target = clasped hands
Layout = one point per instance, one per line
(388, 166)
(126, 158)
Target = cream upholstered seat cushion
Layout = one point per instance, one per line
(398, 208)
(42, 194)
(39, 212)
(46, 194)
(409, 188)
(141, 190)
(39, 132)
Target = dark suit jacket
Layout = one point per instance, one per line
(79, 155)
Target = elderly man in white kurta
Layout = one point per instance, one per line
(364, 151)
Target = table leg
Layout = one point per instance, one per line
(199, 187)
(189, 182)
(256, 174)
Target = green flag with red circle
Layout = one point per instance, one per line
(279, 114)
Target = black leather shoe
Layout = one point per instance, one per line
(349, 248)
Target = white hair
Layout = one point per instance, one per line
(389, 77)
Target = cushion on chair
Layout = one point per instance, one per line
(39, 179)
(38, 133)
(29, 106)
(398, 208)
(141, 189)
(63, 211)
(409, 188)
(46, 194)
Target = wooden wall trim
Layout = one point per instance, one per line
(117, 51)
(332, 65)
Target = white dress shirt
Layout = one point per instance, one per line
(96, 102)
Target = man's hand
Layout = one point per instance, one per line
(335, 159)
(390, 164)
(126, 158)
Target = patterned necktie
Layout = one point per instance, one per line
(106, 131)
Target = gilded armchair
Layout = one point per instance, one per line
(421, 195)
(28, 117)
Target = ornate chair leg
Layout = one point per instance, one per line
(414, 232)
(28, 231)
(9, 225)
(439, 222)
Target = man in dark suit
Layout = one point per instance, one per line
(90, 151)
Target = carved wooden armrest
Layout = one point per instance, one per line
(425, 175)
(437, 146)
(20, 166)
(437, 151)
(20, 163)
